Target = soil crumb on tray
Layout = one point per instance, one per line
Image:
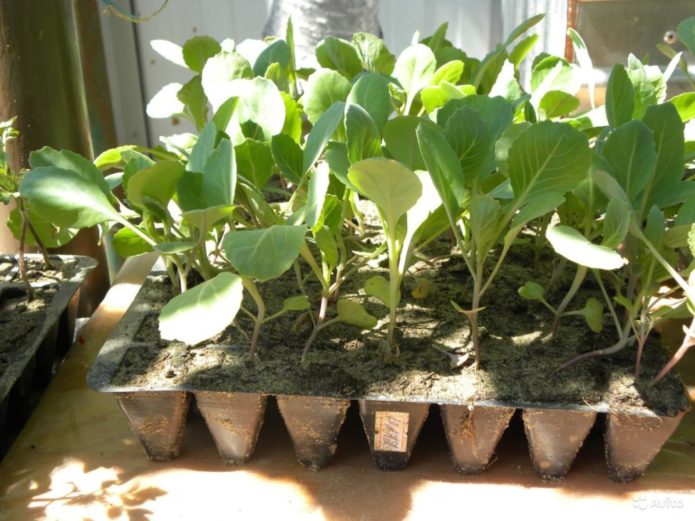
(520, 360)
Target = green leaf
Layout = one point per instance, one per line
(473, 144)
(219, 180)
(371, 92)
(260, 102)
(321, 133)
(686, 33)
(401, 141)
(318, 186)
(324, 88)
(631, 153)
(67, 160)
(166, 103)
(485, 213)
(298, 303)
(649, 84)
(377, 286)
(325, 240)
(339, 55)
(129, 244)
(198, 50)
(66, 198)
(593, 314)
(537, 206)
(203, 311)
(581, 53)
(193, 97)
(112, 158)
(354, 314)
(449, 72)
(556, 103)
(277, 52)
(202, 149)
(373, 53)
(392, 186)
(174, 248)
(169, 51)
(553, 73)
(691, 240)
(443, 165)
(548, 157)
(504, 143)
(496, 112)
(264, 254)
(506, 85)
(667, 126)
(293, 118)
(204, 219)
(531, 291)
(572, 245)
(522, 28)
(288, 157)
(254, 161)
(419, 219)
(414, 70)
(363, 138)
(620, 97)
(223, 115)
(521, 50)
(616, 223)
(685, 105)
(655, 227)
(158, 183)
(50, 235)
(220, 73)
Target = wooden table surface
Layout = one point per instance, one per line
(77, 459)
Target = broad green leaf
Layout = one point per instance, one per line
(203, 219)
(194, 100)
(169, 51)
(264, 254)
(572, 245)
(220, 73)
(371, 92)
(50, 235)
(620, 97)
(166, 103)
(174, 248)
(189, 192)
(593, 314)
(251, 49)
(496, 112)
(504, 143)
(298, 303)
(158, 182)
(260, 103)
(129, 244)
(449, 72)
(112, 158)
(223, 114)
(324, 88)
(203, 311)
(277, 52)
(202, 149)
(554, 73)
(373, 53)
(537, 206)
(219, 180)
(686, 33)
(631, 154)
(377, 286)
(67, 160)
(197, 51)
(443, 165)
(401, 141)
(321, 133)
(616, 223)
(414, 69)
(337, 158)
(581, 53)
(354, 314)
(649, 84)
(487, 71)
(66, 198)
(325, 240)
(438, 39)
(609, 186)
(293, 118)
(288, 157)
(521, 50)
(531, 291)
(522, 28)
(436, 97)
(470, 139)
(655, 227)
(339, 55)
(506, 85)
(667, 126)
(392, 186)
(485, 213)
(254, 161)
(685, 105)
(363, 138)
(556, 103)
(548, 157)
(691, 240)
(318, 186)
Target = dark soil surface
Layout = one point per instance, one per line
(520, 361)
(21, 319)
